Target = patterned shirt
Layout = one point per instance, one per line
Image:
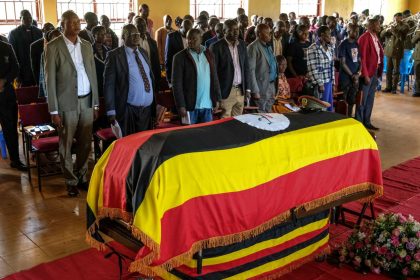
(284, 88)
(320, 64)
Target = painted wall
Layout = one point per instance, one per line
(414, 6)
(344, 8)
(158, 8)
(265, 8)
(49, 9)
(390, 7)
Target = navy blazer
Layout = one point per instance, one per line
(19, 40)
(224, 66)
(173, 45)
(154, 60)
(37, 48)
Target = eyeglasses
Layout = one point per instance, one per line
(134, 34)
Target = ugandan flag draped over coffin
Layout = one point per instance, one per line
(223, 182)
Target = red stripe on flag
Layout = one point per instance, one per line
(237, 212)
(121, 158)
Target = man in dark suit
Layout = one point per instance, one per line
(36, 50)
(176, 42)
(231, 58)
(129, 84)
(219, 35)
(212, 30)
(21, 38)
(9, 69)
(112, 38)
(195, 83)
(91, 21)
(150, 46)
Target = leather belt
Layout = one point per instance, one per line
(83, 96)
(237, 86)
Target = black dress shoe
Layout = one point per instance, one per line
(416, 95)
(72, 191)
(386, 90)
(394, 92)
(83, 186)
(370, 126)
(18, 165)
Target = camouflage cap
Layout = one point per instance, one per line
(310, 102)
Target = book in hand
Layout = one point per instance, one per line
(186, 119)
(116, 129)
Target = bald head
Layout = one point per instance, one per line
(167, 21)
(26, 18)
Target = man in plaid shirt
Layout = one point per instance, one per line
(321, 66)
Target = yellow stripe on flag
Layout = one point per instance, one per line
(262, 245)
(281, 262)
(192, 175)
(96, 186)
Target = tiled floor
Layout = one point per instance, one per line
(36, 228)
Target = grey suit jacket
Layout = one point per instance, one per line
(259, 68)
(61, 75)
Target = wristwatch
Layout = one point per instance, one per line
(96, 108)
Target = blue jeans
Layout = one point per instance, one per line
(364, 111)
(201, 116)
(327, 96)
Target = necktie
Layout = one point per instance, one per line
(142, 72)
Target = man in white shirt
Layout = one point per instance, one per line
(72, 88)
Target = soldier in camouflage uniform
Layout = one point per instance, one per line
(394, 50)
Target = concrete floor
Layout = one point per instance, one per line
(39, 227)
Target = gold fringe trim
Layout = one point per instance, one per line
(377, 190)
(143, 265)
(112, 213)
(94, 243)
(289, 268)
(115, 213)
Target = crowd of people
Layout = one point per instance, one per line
(208, 65)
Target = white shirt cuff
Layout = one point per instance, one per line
(111, 113)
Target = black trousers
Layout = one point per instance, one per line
(8, 121)
(136, 119)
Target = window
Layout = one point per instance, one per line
(301, 7)
(220, 8)
(10, 13)
(116, 10)
(375, 7)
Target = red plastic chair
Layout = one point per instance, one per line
(103, 136)
(35, 115)
(296, 87)
(28, 95)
